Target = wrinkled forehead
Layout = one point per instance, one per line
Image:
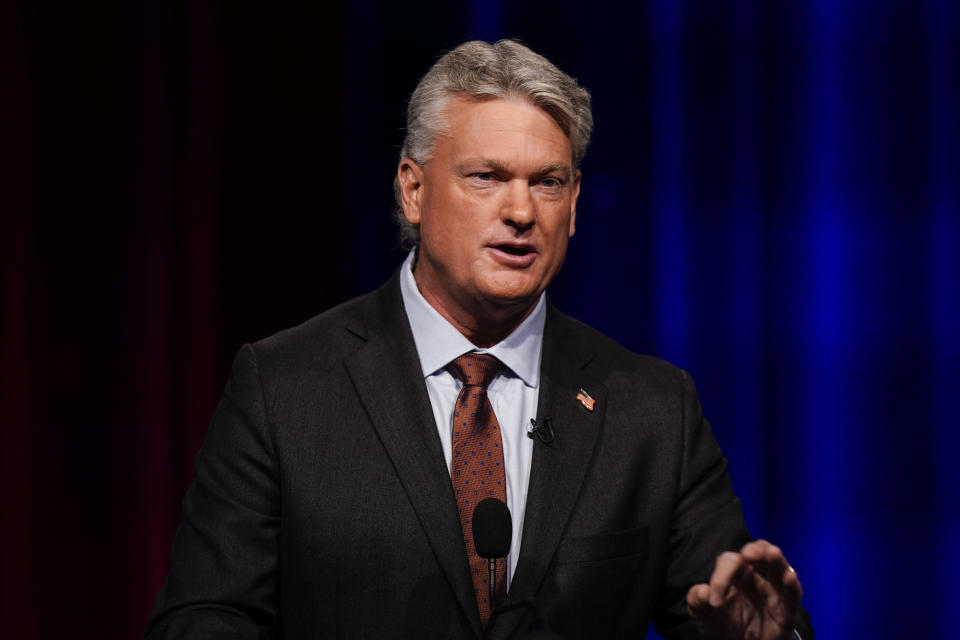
(514, 124)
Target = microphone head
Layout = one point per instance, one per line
(492, 529)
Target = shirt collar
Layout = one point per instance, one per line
(438, 342)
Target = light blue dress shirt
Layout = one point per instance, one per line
(513, 393)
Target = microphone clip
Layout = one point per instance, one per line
(542, 429)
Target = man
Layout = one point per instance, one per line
(333, 494)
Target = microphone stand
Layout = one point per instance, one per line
(492, 564)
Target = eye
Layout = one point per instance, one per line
(551, 184)
(482, 179)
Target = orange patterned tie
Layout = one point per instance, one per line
(477, 470)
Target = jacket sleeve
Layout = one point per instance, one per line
(707, 520)
(223, 579)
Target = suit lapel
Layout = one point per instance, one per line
(386, 374)
(558, 468)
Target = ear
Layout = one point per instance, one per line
(410, 182)
(573, 203)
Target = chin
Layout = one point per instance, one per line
(512, 297)
(511, 288)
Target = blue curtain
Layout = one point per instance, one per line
(771, 201)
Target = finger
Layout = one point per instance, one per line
(775, 584)
(782, 604)
(767, 560)
(755, 549)
(792, 590)
(698, 601)
(729, 565)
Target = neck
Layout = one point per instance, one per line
(481, 322)
(482, 327)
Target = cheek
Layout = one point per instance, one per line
(562, 232)
(559, 253)
(451, 232)
(446, 216)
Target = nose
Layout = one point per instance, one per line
(518, 209)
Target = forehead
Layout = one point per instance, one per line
(502, 129)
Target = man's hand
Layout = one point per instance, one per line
(752, 594)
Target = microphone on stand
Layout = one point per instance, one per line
(492, 532)
(492, 535)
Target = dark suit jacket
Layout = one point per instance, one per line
(323, 506)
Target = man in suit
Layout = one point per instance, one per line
(330, 500)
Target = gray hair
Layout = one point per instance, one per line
(484, 71)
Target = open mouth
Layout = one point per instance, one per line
(512, 250)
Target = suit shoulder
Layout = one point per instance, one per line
(596, 345)
(324, 338)
(610, 361)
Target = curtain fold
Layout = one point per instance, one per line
(770, 201)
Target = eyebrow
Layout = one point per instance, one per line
(500, 167)
(472, 163)
(559, 167)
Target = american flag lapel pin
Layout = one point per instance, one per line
(585, 400)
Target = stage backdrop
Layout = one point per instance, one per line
(770, 201)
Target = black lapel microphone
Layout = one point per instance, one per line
(543, 429)
(492, 533)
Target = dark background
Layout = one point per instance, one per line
(770, 201)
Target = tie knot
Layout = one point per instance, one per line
(475, 369)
